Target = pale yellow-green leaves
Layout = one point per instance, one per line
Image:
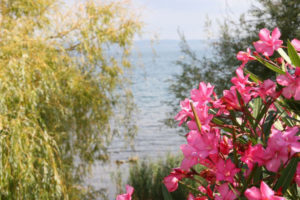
(61, 87)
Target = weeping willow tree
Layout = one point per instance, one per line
(62, 86)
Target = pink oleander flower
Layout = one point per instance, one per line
(226, 170)
(186, 111)
(292, 83)
(277, 151)
(171, 181)
(242, 84)
(296, 44)
(267, 88)
(230, 98)
(268, 44)
(199, 147)
(220, 106)
(191, 156)
(127, 196)
(245, 56)
(240, 81)
(202, 95)
(262, 193)
(207, 191)
(254, 154)
(225, 145)
(226, 193)
(291, 139)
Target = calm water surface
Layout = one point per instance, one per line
(154, 65)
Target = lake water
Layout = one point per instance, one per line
(154, 65)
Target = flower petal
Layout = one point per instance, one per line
(264, 35)
(259, 46)
(296, 44)
(288, 92)
(129, 189)
(283, 80)
(268, 50)
(276, 34)
(253, 193)
(266, 191)
(297, 94)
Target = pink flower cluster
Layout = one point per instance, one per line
(250, 131)
(228, 140)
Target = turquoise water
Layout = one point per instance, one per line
(154, 65)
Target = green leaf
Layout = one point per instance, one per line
(242, 140)
(166, 194)
(287, 175)
(257, 104)
(293, 54)
(270, 66)
(255, 78)
(260, 115)
(284, 115)
(268, 124)
(257, 175)
(284, 55)
(217, 121)
(220, 122)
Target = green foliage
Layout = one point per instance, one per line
(234, 36)
(293, 55)
(59, 88)
(146, 177)
(287, 175)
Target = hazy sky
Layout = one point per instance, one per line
(162, 18)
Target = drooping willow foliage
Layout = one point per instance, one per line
(61, 88)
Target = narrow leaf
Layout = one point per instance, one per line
(284, 55)
(257, 177)
(257, 107)
(255, 78)
(287, 175)
(270, 66)
(268, 124)
(220, 122)
(260, 115)
(284, 115)
(293, 54)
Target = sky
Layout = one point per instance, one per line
(163, 18)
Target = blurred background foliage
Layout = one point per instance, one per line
(147, 176)
(233, 36)
(61, 89)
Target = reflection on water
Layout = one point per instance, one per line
(150, 91)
